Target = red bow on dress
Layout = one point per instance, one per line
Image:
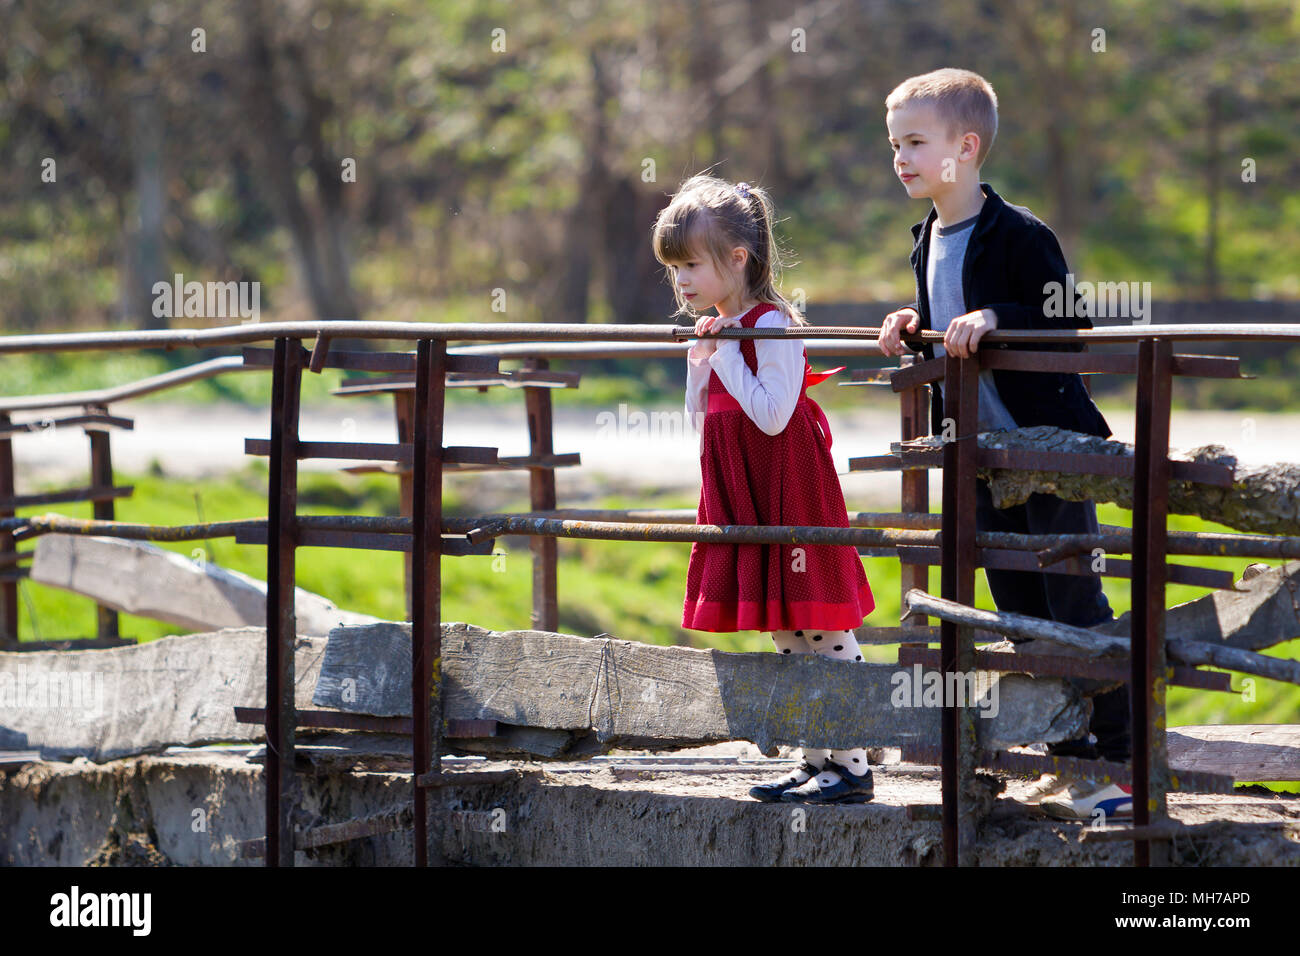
(815, 378)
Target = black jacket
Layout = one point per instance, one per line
(1010, 256)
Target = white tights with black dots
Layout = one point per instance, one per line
(838, 646)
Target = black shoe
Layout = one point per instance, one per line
(771, 792)
(850, 788)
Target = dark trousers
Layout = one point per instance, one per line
(1069, 598)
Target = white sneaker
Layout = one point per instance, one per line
(1047, 785)
(1088, 800)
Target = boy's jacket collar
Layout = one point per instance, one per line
(993, 204)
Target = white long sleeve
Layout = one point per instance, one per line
(769, 396)
(697, 386)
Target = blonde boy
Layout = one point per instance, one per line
(982, 264)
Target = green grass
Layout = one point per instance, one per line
(633, 590)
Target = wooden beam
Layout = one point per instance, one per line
(640, 695)
(1012, 624)
(137, 711)
(1192, 653)
(107, 704)
(1244, 751)
(1264, 611)
(143, 579)
(1261, 499)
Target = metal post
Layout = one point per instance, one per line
(957, 649)
(541, 492)
(8, 589)
(101, 476)
(426, 591)
(915, 496)
(403, 407)
(281, 626)
(1148, 666)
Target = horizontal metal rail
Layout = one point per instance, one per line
(541, 332)
(71, 644)
(378, 824)
(117, 393)
(1055, 665)
(93, 421)
(547, 527)
(1014, 559)
(870, 529)
(67, 495)
(649, 350)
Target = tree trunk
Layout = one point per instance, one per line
(144, 256)
(582, 226)
(326, 281)
(1212, 190)
(331, 231)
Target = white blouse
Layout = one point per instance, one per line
(769, 397)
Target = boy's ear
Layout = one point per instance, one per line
(970, 147)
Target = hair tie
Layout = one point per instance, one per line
(743, 189)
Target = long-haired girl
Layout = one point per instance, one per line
(764, 459)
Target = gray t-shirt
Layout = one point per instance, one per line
(943, 286)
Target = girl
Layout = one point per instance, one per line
(764, 459)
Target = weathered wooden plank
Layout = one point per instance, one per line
(1263, 499)
(1234, 658)
(121, 701)
(144, 579)
(639, 695)
(1262, 612)
(1192, 653)
(182, 691)
(1245, 751)
(1013, 625)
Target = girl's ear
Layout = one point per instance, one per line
(739, 256)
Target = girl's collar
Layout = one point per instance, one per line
(758, 310)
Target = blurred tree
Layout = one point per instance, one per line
(527, 146)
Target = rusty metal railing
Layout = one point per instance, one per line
(958, 547)
(98, 424)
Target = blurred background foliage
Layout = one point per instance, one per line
(527, 146)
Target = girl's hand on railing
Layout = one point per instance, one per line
(711, 323)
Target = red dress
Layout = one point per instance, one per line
(750, 477)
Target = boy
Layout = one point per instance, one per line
(982, 264)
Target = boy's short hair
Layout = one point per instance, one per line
(965, 100)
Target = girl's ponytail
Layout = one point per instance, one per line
(710, 216)
(766, 260)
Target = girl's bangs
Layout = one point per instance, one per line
(677, 235)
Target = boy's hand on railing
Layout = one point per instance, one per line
(963, 336)
(895, 324)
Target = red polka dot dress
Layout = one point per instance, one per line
(751, 477)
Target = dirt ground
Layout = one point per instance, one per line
(901, 785)
(617, 810)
